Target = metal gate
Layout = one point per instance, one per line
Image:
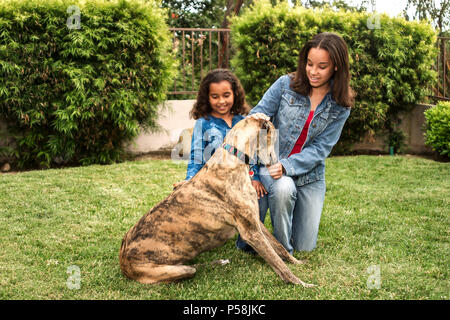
(198, 51)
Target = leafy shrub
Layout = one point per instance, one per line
(437, 134)
(79, 78)
(390, 59)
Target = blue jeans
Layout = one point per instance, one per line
(295, 211)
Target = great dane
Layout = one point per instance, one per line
(204, 212)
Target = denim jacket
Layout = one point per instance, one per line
(288, 111)
(207, 136)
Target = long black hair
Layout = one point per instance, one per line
(337, 49)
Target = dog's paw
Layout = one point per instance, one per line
(304, 284)
(308, 285)
(293, 279)
(296, 261)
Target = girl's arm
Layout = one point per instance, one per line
(318, 149)
(196, 161)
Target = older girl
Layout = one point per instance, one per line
(309, 108)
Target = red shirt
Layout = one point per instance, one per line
(301, 140)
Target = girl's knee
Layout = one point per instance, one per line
(284, 188)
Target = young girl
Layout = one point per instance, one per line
(220, 105)
(309, 108)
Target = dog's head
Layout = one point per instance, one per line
(255, 137)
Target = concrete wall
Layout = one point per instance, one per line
(412, 125)
(175, 120)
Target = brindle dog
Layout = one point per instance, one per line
(204, 212)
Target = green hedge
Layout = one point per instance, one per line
(390, 59)
(437, 134)
(79, 78)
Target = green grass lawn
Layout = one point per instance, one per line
(384, 234)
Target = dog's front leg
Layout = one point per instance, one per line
(252, 233)
(278, 247)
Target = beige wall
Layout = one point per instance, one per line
(412, 125)
(173, 119)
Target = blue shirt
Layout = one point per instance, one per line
(207, 136)
(289, 111)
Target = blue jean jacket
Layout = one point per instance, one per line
(207, 136)
(288, 111)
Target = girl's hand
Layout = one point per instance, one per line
(276, 170)
(259, 115)
(259, 187)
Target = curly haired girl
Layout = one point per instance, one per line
(220, 105)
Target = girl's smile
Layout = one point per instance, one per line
(221, 98)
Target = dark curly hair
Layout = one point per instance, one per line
(202, 108)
